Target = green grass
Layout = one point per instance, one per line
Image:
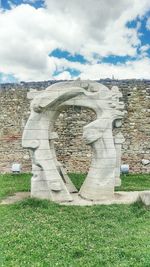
(36, 233)
(40, 233)
(11, 183)
(77, 179)
(134, 182)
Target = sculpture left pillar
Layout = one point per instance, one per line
(46, 182)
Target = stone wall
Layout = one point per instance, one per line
(71, 149)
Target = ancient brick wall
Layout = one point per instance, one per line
(71, 149)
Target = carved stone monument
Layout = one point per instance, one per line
(50, 181)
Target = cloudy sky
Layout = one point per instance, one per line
(67, 39)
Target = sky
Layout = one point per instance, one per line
(70, 39)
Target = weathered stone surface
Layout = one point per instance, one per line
(145, 161)
(49, 180)
(145, 197)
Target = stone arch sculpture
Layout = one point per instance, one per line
(50, 181)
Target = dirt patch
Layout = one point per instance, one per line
(15, 198)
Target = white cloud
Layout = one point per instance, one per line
(148, 24)
(131, 69)
(28, 35)
(65, 75)
(144, 48)
(144, 51)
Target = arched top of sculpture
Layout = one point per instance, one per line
(78, 93)
(90, 86)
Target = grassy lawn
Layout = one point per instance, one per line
(43, 234)
(11, 183)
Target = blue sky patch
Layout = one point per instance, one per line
(144, 33)
(116, 59)
(58, 53)
(5, 4)
(132, 24)
(73, 72)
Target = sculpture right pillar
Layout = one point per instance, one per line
(100, 181)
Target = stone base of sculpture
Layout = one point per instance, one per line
(50, 181)
(120, 197)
